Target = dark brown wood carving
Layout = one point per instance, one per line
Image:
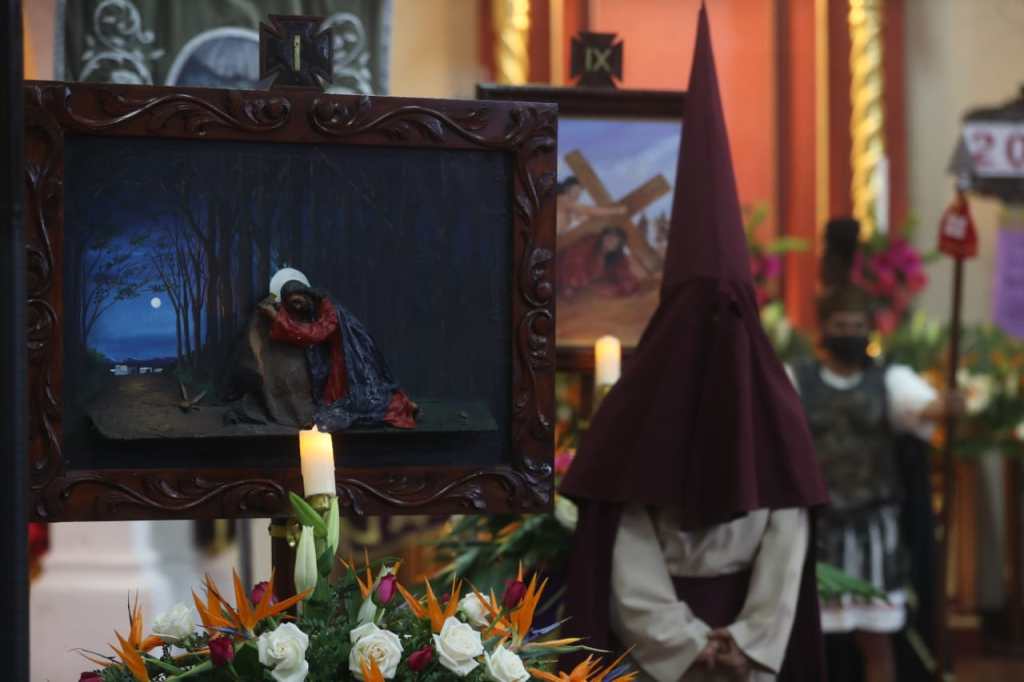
(526, 131)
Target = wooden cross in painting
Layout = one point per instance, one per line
(635, 202)
(296, 51)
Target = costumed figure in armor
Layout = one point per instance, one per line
(697, 483)
(345, 381)
(858, 411)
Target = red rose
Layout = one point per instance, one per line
(91, 676)
(258, 592)
(222, 651)
(563, 458)
(420, 659)
(386, 589)
(515, 590)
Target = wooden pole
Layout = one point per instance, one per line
(282, 557)
(13, 360)
(943, 639)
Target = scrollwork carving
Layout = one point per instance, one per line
(244, 112)
(161, 496)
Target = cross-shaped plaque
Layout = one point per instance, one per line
(296, 51)
(596, 59)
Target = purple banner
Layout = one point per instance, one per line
(1008, 289)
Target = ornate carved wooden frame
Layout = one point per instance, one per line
(527, 131)
(594, 102)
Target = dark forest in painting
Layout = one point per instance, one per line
(170, 245)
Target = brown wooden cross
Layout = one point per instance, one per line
(635, 201)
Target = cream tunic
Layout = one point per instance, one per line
(666, 635)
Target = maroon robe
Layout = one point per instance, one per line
(704, 418)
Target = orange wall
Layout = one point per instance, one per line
(658, 48)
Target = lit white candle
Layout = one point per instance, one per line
(317, 456)
(607, 361)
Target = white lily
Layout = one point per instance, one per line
(306, 574)
(333, 526)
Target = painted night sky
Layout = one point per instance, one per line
(624, 153)
(135, 329)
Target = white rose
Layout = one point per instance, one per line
(1012, 385)
(175, 625)
(371, 642)
(980, 389)
(505, 666)
(474, 611)
(284, 652)
(367, 612)
(566, 512)
(457, 646)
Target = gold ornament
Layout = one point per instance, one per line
(867, 114)
(511, 41)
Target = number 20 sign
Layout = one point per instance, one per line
(996, 149)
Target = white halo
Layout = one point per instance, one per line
(283, 276)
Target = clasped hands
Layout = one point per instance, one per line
(722, 652)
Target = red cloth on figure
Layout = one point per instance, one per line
(401, 411)
(325, 329)
(584, 263)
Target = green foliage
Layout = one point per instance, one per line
(487, 550)
(117, 674)
(833, 584)
(919, 343)
(307, 515)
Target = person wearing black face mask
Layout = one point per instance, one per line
(857, 410)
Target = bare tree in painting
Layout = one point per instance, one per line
(111, 272)
(178, 261)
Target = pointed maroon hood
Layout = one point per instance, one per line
(706, 238)
(704, 419)
(704, 416)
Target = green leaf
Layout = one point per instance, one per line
(786, 245)
(307, 515)
(247, 662)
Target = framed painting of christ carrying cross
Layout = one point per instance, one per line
(212, 272)
(616, 171)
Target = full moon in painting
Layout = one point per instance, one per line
(155, 302)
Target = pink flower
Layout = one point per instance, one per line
(755, 267)
(259, 590)
(563, 458)
(222, 651)
(514, 593)
(386, 589)
(420, 659)
(886, 283)
(886, 321)
(772, 266)
(917, 280)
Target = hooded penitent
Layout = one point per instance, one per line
(704, 419)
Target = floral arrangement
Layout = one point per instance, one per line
(766, 257)
(365, 626)
(485, 547)
(991, 376)
(789, 343)
(891, 270)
